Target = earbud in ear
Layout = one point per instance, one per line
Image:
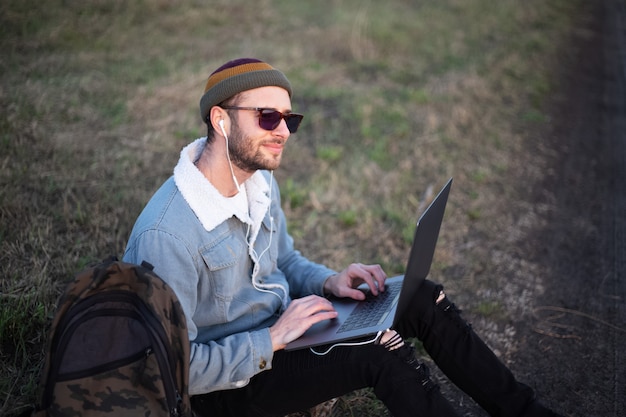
(221, 123)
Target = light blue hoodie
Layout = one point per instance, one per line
(206, 246)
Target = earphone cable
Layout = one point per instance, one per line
(365, 342)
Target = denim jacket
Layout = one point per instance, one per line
(206, 247)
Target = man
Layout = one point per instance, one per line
(216, 233)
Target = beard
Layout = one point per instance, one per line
(247, 155)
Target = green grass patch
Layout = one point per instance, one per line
(490, 309)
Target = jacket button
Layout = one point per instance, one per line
(262, 364)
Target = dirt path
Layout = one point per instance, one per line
(575, 352)
(564, 278)
(618, 130)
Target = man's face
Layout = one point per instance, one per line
(252, 148)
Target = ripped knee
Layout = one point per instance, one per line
(391, 340)
(448, 307)
(442, 300)
(440, 297)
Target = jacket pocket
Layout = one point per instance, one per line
(228, 264)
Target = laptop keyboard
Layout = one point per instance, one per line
(373, 310)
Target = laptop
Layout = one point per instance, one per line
(399, 293)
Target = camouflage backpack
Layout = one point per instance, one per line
(118, 346)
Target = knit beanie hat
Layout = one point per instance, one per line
(236, 76)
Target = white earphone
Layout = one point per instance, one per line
(230, 165)
(221, 123)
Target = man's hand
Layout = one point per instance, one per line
(301, 314)
(344, 283)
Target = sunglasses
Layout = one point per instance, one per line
(269, 119)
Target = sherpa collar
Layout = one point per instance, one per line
(211, 207)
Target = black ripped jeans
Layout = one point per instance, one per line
(300, 379)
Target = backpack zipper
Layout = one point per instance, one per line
(68, 376)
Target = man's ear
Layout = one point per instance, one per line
(219, 120)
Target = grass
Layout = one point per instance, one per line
(98, 97)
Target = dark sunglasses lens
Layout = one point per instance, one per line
(269, 119)
(293, 121)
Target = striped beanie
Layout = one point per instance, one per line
(236, 76)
